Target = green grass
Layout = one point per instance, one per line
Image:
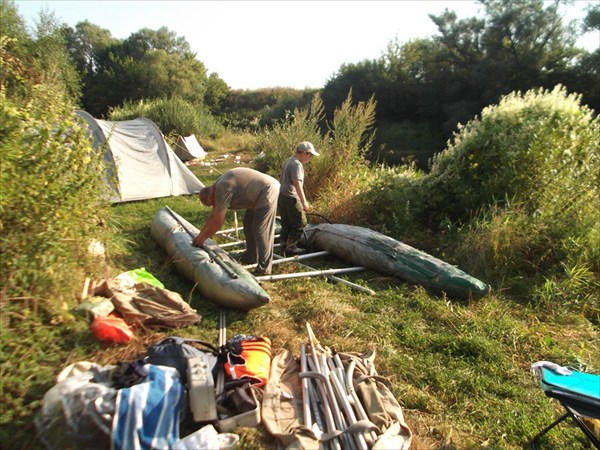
(460, 369)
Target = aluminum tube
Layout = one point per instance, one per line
(305, 392)
(300, 257)
(229, 230)
(316, 407)
(337, 413)
(314, 273)
(232, 244)
(358, 406)
(220, 384)
(329, 419)
(340, 392)
(337, 279)
(235, 224)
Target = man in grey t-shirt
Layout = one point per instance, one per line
(255, 192)
(292, 201)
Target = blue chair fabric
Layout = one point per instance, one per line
(578, 393)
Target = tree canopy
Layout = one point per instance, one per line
(447, 79)
(148, 64)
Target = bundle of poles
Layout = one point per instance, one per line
(331, 406)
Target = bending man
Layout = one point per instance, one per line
(254, 191)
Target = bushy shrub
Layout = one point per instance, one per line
(540, 148)
(173, 116)
(390, 201)
(51, 204)
(513, 199)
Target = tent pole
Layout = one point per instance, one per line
(314, 273)
(235, 221)
(338, 279)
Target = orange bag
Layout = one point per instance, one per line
(248, 358)
(111, 328)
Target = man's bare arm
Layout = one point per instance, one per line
(213, 223)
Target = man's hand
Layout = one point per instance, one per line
(197, 242)
(213, 223)
(305, 206)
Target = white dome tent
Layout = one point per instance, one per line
(188, 148)
(142, 161)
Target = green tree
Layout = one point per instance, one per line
(51, 57)
(87, 45)
(147, 40)
(148, 64)
(13, 26)
(438, 82)
(526, 42)
(586, 72)
(15, 43)
(365, 79)
(519, 45)
(216, 92)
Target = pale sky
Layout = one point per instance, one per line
(256, 44)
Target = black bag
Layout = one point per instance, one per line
(175, 351)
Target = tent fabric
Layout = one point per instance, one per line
(139, 161)
(188, 148)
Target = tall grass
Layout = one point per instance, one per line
(342, 146)
(277, 143)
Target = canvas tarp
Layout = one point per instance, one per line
(140, 163)
(188, 148)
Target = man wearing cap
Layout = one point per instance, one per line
(254, 191)
(292, 202)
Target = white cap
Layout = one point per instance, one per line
(307, 147)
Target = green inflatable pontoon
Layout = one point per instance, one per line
(220, 279)
(381, 253)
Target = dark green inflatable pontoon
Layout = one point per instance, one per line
(381, 253)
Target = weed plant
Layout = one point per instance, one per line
(342, 147)
(52, 207)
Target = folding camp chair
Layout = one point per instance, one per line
(578, 393)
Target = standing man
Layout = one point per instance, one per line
(254, 191)
(292, 201)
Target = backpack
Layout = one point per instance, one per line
(176, 352)
(382, 427)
